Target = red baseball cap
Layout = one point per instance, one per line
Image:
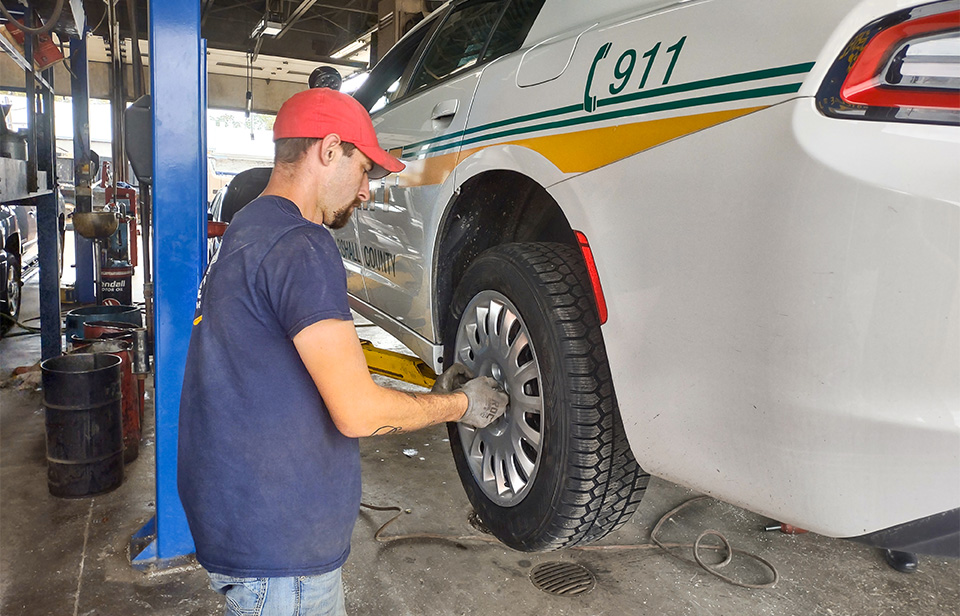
(318, 112)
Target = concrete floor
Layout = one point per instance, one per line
(71, 556)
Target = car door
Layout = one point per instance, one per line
(348, 243)
(349, 247)
(27, 219)
(420, 120)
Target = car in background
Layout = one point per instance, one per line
(11, 275)
(715, 241)
(19, 252)
(239, 191)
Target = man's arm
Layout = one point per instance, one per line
(359, 407)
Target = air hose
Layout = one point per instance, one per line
(42, 29)
(29, 330)
(655, 543)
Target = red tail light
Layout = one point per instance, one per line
(902, 67)
(594, 276)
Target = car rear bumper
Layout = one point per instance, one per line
(938, 534)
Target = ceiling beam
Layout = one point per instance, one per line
(205, 10)
(295, 16)
(349, 9)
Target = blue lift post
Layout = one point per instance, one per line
(48, 231)
(42, 152)
(82, 171)
(179, 173)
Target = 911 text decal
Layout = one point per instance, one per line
(623, 71)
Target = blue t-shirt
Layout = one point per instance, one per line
(270, 487)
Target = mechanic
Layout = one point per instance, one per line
(276, 390)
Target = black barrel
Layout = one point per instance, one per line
(81, 397)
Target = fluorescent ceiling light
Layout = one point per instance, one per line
(269, 25)
(350, 49)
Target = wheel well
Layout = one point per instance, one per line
(493, 208)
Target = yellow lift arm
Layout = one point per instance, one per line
(398, 366)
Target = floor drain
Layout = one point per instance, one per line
(562, 578)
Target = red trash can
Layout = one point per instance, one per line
(129, 392)
(122, 331)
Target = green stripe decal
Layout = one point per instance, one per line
(635, 111)
(517, 120)
(793, 69)
(709, 83)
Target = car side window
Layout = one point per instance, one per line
(386, 79)
(216, 205)
(459, 42)
(513, 28)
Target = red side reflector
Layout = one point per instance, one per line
(594, 276)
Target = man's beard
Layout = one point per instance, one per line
(342, 217)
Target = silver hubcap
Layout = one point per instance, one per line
(492, 340)
(13, 289)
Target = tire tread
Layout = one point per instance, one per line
(604, 484)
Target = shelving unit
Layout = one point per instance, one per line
(33, 183)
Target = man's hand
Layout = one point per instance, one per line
(485, 399)
(332, 354)
(485, 402)
(452, 379)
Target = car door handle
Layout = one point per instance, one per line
(445, 109)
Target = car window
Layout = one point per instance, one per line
(214, 210)
(387, 97)
(459, 42)
(385, 82)
(512, 28)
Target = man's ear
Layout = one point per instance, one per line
(329, 148)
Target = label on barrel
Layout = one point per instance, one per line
(116, 287)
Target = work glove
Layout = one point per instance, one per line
(485, 402)
(452, 379)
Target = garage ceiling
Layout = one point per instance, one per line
(314, 31)
(349, 35)
(226, 62)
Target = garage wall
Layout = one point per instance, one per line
(223, 91)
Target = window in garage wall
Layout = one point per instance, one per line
(234, 143)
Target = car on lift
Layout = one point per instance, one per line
(716, 241)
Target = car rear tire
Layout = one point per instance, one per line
(556, 470)
(10, 293)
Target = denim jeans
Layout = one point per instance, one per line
(307, 595)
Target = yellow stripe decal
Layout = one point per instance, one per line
(579, 151)
(589, 149)
(197, 320)
(428, 171)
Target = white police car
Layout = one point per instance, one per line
(715, 239)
